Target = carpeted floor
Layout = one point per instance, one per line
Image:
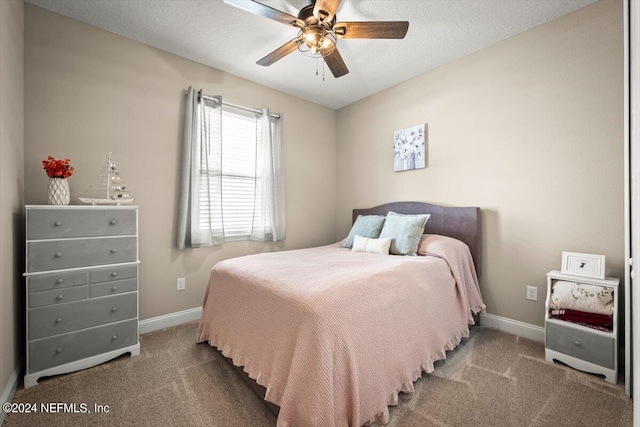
(491, 379)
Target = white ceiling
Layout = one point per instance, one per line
(221, 36)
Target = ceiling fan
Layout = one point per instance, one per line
(319, 32)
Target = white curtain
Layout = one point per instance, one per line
(200, 220)
(201, 211)
(269, 206)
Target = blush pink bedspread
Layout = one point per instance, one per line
(335, 335)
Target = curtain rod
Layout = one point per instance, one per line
(277, 116)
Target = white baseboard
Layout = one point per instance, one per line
(510, 326)
(168, 320)
(10, 389)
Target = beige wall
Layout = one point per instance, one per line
(88, 92)
(11, 186)
(529, 129)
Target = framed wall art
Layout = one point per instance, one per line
(409, 149)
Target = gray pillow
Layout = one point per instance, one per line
(405, 230)
(365, 226)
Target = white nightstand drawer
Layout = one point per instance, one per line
(583, 344)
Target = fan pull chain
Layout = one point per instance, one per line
(316, 67)
(322, 69)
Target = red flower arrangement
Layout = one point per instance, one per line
(57, 168)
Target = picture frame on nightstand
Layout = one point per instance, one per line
(583, 265)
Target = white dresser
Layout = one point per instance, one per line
(82, 287)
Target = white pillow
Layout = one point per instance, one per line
(372, 246)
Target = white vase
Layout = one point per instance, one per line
(58, 193)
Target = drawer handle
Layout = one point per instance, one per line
(58, 255)
(114, 309)
(59, 320)
(113, 251)
(59, 281)
(58, 350)
(113, 289)
(60, 297)
(113, 338)
(57, 223)
(113, 222)
(114, 274)
(577, 343)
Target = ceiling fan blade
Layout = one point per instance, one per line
(336, 64)
(325, 10)
(266, 11)
(371, 30)
(279, 53)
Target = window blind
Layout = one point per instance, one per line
(240, 133)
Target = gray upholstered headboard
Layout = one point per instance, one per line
(460, 223)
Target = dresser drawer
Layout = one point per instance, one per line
(111, 288)
(586, 345)
(113, 273)
(62, 318)
(66, 223)
(61, 254)
(70, 347)
(56, 281)
(58, 296)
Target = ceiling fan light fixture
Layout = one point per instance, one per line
(317, 41)
(319, 31)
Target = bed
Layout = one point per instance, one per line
(332, 336)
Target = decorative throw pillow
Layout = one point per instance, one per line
(405, 230)
(372, 246)
(365, 226)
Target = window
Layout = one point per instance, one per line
(232, 175)
(240, 135)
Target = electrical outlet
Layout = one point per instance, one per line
(532, 293)
(181, 283)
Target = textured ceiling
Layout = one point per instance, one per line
(223, 37)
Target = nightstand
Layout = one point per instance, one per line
(583, 348)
